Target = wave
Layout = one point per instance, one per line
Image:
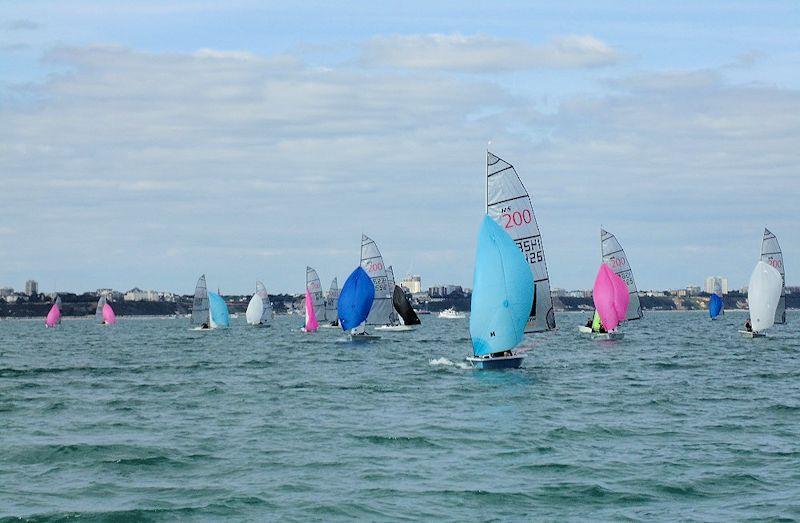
(448, 363)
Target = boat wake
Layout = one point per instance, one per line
(447, 363)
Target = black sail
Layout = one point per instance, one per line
(404, 308)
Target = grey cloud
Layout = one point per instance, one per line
(485, 54)
(20, 25)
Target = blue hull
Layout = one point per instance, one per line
(508, 362)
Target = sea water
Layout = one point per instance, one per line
(682, 420)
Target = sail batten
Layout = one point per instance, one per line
(372, 263)
(509, 205)
(614, 256)
(771, 254)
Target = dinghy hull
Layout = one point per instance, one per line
(504, 362)
(753, 334)
(608, 336)
(362, 338)
(583, 329)
(395, 328)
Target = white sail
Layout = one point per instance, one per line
(254, 310)
(509, 204)
(266, 314)
(200, 302)
(390, 278)
(372, 263)
(98, 313)
(315, 289)
(614, 256)
(763, 295)
(772, 255)
(332, 302)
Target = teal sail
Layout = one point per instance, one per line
(219, 311)
(502, 293)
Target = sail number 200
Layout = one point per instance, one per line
(516, 218)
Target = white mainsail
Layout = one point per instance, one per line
(772, 255)
(200, 303)
(763, 295)
(98, 313)
(372, 263)
(266, 314)
(509, 204)
(614, 256)
(332, 302)
(315, 289)
(254, 310)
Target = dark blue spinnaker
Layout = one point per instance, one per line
(355, 300)
(714, 306)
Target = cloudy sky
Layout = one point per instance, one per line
(145, 142)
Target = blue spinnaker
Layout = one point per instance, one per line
(714, 306)
(502, 292)
(355, 299)
(219, 311)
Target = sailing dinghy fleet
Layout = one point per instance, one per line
(511, 287)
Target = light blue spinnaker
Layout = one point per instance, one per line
(714, 306)
(355, 300)
(502, 292)
(219, 311)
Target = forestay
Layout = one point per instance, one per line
(200, 302)
(372, 263)
(509, 204)
(614, 256)
(772, 255)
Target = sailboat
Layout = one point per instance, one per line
(381, 313)
(715, 306)
(502, 297)
(259, 309)
(611, 298)
(763, 297)
(395, 324)
(331, 305)
(614, 256)
(104, 315)
(509, 204)
(200, 316)
(355, 303)
(54, 316)
(772, 255)
(314, 287)
(311, 324)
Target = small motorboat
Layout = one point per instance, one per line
(452, 314)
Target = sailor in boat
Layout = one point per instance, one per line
(589, 322)
(205, 326)
(748, 326)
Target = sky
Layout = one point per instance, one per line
(144, 143)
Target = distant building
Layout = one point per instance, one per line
(6, 291)
(692, 290)
(412, 284)
(716, 284)
(137, 294)
(31, 287)
(558, 291)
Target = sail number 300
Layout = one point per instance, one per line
(516, 218)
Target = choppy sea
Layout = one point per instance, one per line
(148, 420)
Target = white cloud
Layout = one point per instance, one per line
(486, 54)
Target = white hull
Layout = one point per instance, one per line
(608, 336)
(753, 334)
(583, 329)
(395, 328)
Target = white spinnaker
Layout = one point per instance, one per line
(314, 287)
(332, 302)
(772, 255)
(614, 256)
(390, 278)
(98, 313)
(254, 310)
(763, 295)
(372, 263)
(266, 315)
(509, 204)
(200, 303)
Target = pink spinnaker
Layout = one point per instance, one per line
(311, 319)
(108, 314)
(53, 316)
(605, 295)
